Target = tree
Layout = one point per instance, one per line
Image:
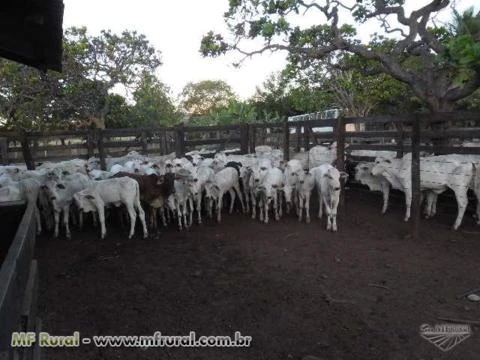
(153, 105)
(107, 61)
(203, 97)
(431, 60)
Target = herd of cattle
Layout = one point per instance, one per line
(181, 189)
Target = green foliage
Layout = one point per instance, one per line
(203, 97)
(153, 105)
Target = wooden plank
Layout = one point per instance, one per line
(380, 119)
(371, 134)
(29, 306)
(466, 133)
(286, 141)
(120, 144)
(180, 141)
(101, 149)
(212, 141)
(212, 128)
(4, 150)
(458, 116)
(415, 174)
(244, 131)
(383, 147)
(340, 163)
(13, 276)
(451, 149)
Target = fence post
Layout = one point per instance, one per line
(415, 206)
(4, 150)
(180, 141)
(298, 131)
(27, 153)
(90, 143)
(244, 138)
(254, 140)
(143, 137)
(400, 141)
(286, 140)
(306, 137)
(340, 135)
(101, 149)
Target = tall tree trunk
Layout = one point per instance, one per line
(438, 106)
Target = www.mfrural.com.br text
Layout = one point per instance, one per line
(44, 339)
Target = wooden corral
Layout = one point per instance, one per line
(18, 280)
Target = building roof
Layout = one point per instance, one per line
(31, 32)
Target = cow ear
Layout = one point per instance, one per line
(344, 175)
(60, 186)
(89, 197)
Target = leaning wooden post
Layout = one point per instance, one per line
(286, 141)
(340, 135)
(101, 149)
(244, 138)
(27, 153)
(4, 150)
(180, 141)
(416, 194)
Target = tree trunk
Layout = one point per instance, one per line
(438, 106)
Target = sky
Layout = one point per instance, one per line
(176, 29)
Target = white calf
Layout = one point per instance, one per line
(303, 190)
(116, 191)
(225, 180)
(327, 180)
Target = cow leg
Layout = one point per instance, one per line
(219, 207)
(434, 204)
(462, 202)
(254, 205)
(199, 208)
(132, 214)
(307, 208)
(179, 217)
(232, 199)
(101, 218)
(334, 215)
(239, 193)
(386, 194)
(66, 216)
(328, 210)
(56, 215)
(266, 204)
(408, 203)
(190, 208)
(80, 219)
(279, 198)
(300, 208)
(320, 209)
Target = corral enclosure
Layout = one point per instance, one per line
(371, 133)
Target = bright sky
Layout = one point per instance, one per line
(176, 28)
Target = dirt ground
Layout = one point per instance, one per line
(296, 289)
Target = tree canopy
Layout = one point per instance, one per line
(440, 64)
(205, 96)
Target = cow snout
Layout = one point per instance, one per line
(53, 198)
(301, 181)
(257, 180)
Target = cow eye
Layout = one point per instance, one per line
(60, 186)
(365, 168)
(388, 161)
(263, 168)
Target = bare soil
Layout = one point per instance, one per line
(298, 290)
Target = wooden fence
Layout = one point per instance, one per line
(19, 284)
(405, 133)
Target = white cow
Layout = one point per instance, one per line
(60, 194)
(363, 174)
(303, 190)
(327, 181)
(292, 171)
(226, 180)
(196, 183)
(116, 191)
(437, 174)
(319, 154)
(270, 191)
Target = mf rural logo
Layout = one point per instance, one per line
(445, 336)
